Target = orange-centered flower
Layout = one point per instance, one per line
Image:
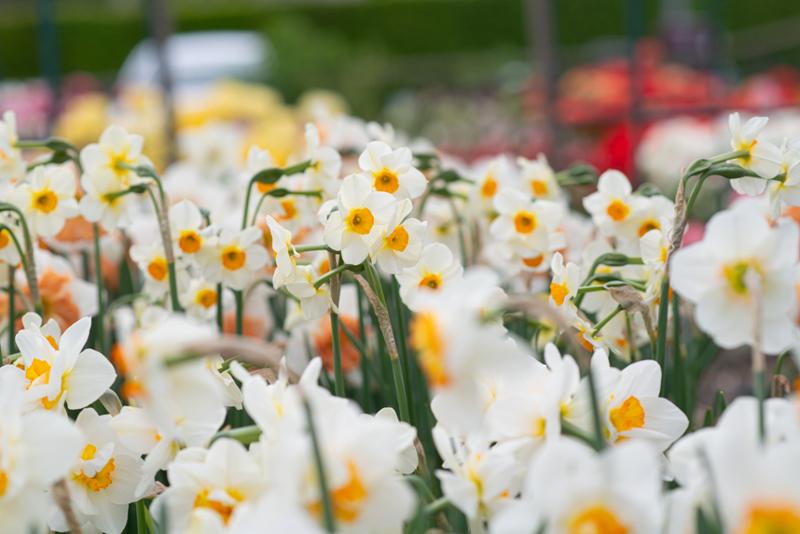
(190, 241)
(397, 240)
(359, 221)
(386, 181)
(233, 257)
(44, 201)
(525, 222)
(618, 210)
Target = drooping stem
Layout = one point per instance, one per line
(385, 325)
(100, 330)
(28, 259)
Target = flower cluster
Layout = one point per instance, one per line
(352, 331)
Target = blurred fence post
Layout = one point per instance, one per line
(540, 26)
(160, 27)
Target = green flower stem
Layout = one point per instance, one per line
(244, 434)
(760, 390)
(220, 317)
(599, 439)
(437, 506)
(28, 259)
(100, 330)
(325, 497)
(331, 274)
(615, 259)
(568, 429)
(281, 193)
(311, 248)
(335, 281)
(239, 299)
(268, 176)
(606, 320)
(401, 330)
(12, 346)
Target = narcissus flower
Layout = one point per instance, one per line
(106, 172)
(391, 171)
(360, 217)
(39, 448)
(47, 198)
(745, 137)
(538, 178)
(401, 244)
(233, 257)
(186, 222)
(12, 165)
(565, 282)
(103, 480)
(613, 205)
(437, 267)
(61, 371)
(525, 224)
(741, 273)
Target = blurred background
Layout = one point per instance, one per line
(630, 84)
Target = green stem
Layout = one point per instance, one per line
(663, 315)
(330, 274)
(311, 248)
(606, 319)
(437, 506)
(568, 429)
(220, 317)
(401, 332)
(599, 440)
(325, 498)
(12, 346)
(244, 434)
(100, 331)
(28, 259)
(337, 356)
(239, 298)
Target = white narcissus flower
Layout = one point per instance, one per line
(631, 408)
(105, 172)
(572, 489)
(233, 257)
(436, 268)
(785, 191)
(525, 224)
(566, 280)
(200, 298)
(401, 244)
(36, 449)
(152, 262)
(741, 267)
(652, 213)
(186, 222)
(479, 480)
(207, 487)
(359, 220)
(538, 178)
(325, 163)
(745, 137)
(47, 198)
(103, 481)
(8, 248)
(391, 171)
(613, 204)
(490, 176)
(12, 165)
(59, 372)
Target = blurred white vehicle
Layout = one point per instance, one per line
(196, 60)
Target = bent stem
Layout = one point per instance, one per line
(385, 325)
(28, 259)
(599, 440)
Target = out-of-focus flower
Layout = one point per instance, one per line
(746, 137)
(12, 166)
(437, 267)
(47, 198)
(741, 278)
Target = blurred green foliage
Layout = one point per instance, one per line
(362, 49)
